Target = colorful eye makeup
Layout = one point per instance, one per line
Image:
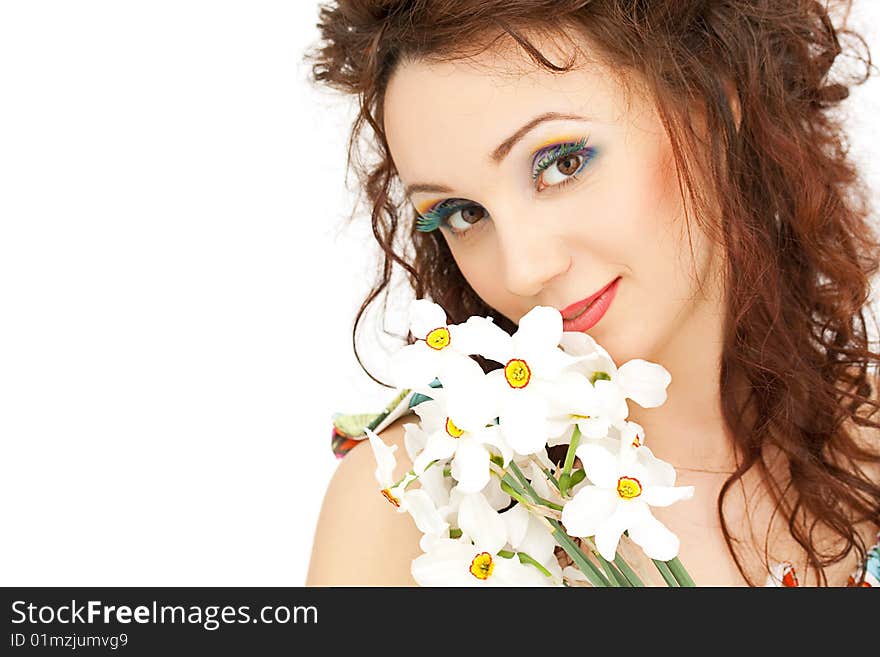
(572, 156)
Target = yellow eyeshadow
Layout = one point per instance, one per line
(424, 207)
(555, 141)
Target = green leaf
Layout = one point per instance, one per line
(577, 477)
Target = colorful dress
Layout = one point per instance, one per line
(349, 430)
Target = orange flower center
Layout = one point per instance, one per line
(629, 488)
(482, 565)
(517, 373)
(453, 430)
(386, 492)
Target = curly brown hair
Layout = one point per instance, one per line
(790, 208)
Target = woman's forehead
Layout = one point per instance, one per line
(461, 111)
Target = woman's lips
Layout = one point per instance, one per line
(584, 314)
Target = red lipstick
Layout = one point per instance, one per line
(586, 313)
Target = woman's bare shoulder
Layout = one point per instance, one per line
(361, 540)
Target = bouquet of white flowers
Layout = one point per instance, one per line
(491, 504)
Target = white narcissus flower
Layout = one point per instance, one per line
(459, 423)
(622, 488)
(414, 366)
(531, 378)
(637, 379)
(458, 562)
(416, 502)
(473, 559)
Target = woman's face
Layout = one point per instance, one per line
(529, 225)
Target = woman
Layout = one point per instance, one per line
(686, 154)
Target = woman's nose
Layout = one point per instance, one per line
(530, 257)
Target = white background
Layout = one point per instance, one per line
(177, 287)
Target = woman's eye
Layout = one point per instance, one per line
(564, 168)
(561, 164)
(464, 218)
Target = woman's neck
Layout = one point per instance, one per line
(688, 430)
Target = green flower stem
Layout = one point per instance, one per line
(628, 572)
(513, 492)
(593, 574)
(525, 558)
(565, 477)
(522, 480)
(611, 572)
(411, 473)
(666, 572)
(590, 571)
(550, 477)
(507, 554)
(680, 574)
(548, 503)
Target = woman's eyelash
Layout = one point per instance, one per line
(550, 155)
(434, 218)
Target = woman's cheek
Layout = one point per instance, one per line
(480, 266)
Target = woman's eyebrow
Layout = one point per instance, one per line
(496, 156)
(505, 147)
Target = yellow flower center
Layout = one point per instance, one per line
(388, 496)
(438, 338)
(482, 565)
(517, 373)
(580, 417)
(453, 430)
(629, 487)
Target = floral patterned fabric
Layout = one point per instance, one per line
(350, 429)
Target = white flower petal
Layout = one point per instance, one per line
(578, 343)
(432, 413)
(588, 510)
(632, 433)
(653, 537)
(551, 363)
(385, 461)
(539, 481)
(609, 532)
(482, 523)
(660, 472)
(523, 421)
(492, 436)
(612, 401)
(445, 565)
(436, 485)
(538, 330)
(414, 439)
(600, 464)
(643, 382)
(420, 506)
(470, 466)
(414, 366)
(496, 497)
(480, 335)
(594, 428)
(538, 542)
(440, 446)
(510, 572)
(666, 495)
(424, 317)
(516, 520)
